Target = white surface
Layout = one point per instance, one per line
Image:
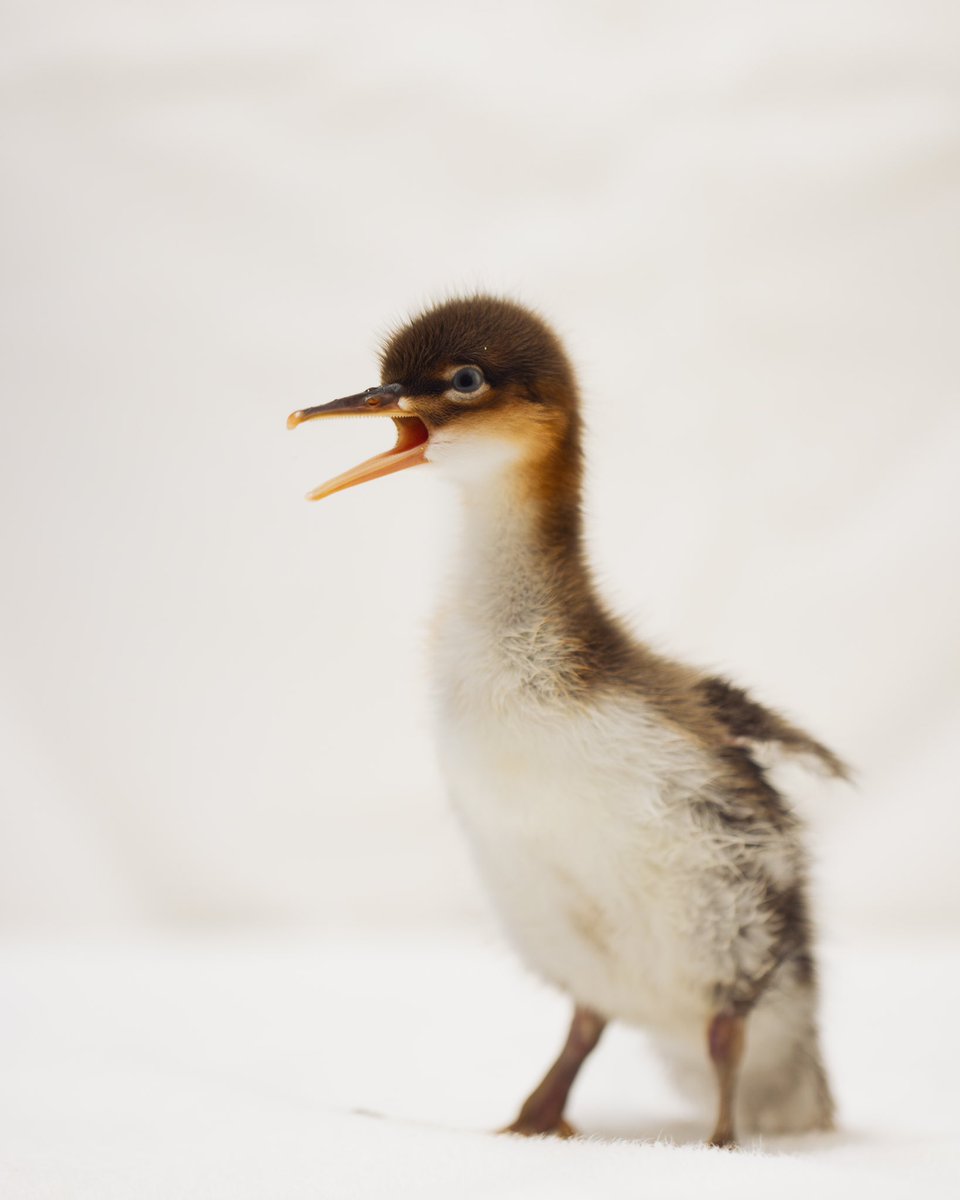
(216, 1069)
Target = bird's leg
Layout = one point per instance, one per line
(725, 1038)
(543, 1110)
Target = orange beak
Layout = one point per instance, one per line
(412, 435)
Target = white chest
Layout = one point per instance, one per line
(578, 823)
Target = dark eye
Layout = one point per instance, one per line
(468, 379)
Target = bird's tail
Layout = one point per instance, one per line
(783, 1083)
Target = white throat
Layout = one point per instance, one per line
(472, 459)
(502, 632)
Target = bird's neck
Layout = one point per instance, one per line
(522, 585)
(516, 546)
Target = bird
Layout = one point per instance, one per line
(616, 801)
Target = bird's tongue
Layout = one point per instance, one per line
(408, 452)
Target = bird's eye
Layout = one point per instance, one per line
(468, 379)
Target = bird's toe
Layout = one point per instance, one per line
(562, 1129)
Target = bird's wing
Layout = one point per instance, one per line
(749, 722)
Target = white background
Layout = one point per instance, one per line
(743, 218)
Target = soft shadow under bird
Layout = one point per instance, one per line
(633, 846)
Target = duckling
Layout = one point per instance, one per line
(638, 856)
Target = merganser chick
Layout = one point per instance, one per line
(636, 852)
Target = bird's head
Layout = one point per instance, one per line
(475, 386)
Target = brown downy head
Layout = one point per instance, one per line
(474, 386)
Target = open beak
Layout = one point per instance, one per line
(411, 442)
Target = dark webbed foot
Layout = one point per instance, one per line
(542, 1113)
(725, 1037)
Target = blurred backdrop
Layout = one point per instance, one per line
(743, 218)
